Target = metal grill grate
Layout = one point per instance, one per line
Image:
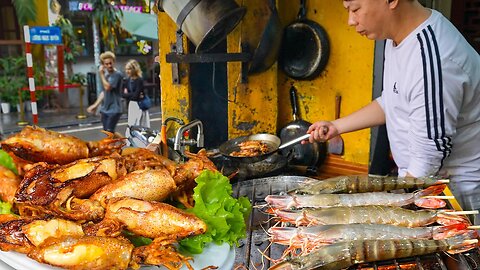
(248, 253)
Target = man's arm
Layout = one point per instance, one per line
(105, 83)
(368, 116)
(93, 107)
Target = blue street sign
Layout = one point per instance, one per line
(51, 35)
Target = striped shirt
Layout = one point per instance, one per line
(431, 100)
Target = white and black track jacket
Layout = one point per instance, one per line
(431, 99)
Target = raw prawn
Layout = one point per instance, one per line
(312, 236)
(37, 144)
(364, 183)
(369, 214)
(369, 198)
(345, 254)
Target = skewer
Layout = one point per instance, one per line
(438, 197)
(443, 181)
(470, 241)
(472, 212)
(473, 227)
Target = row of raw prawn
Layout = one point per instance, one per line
(344, 224)
(344, 254)
(369, 198)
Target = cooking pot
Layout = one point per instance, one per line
(266, 52)
(305, 48)
(204, 22)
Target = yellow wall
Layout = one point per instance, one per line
(349, 73)
(262, 104)
(175, 98)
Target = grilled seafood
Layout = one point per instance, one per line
(85, 252)
(369, 198)
(149, 185)
(23, 234)
(364, 183)
(158, 184)
(36, 144)
(376, 214)
(11, 235)
(141, 158)
(313, 236)
(9, 183)
(53, 189)
(149, 219)
(162, 222)
(345, 254)
(250, 148)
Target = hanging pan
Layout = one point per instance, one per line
(266, 52)
(305, 48)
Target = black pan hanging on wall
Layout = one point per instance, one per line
(305, 47)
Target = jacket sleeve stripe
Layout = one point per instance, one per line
(433, 85)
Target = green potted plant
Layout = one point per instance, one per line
(12, 78)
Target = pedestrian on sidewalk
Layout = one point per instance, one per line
(110, 98)
(133, 91)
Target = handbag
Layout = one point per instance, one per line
(145, 103)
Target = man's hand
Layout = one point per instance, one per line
(154, 147)
(322, 131)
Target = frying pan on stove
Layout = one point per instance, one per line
(273, 143)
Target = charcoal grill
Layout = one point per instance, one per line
(248, 253)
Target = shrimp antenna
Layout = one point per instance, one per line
(259, 206)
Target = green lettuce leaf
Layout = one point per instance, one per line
(224, 215)
(5, 208)
(7, 161)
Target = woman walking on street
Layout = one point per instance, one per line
(133, 91)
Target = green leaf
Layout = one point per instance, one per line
(7, 161)
(26, 11)
(137, 240)
(5, 208)
(224, 215)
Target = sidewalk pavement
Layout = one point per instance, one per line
(55, 119)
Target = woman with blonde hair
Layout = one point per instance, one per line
(133, 91)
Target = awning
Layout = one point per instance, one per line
(142, 25)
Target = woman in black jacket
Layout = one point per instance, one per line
(133, 91)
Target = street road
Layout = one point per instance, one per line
(92, 132)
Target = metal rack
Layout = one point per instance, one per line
(249, 252)
(177, 56)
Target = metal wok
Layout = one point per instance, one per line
(273, 143)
